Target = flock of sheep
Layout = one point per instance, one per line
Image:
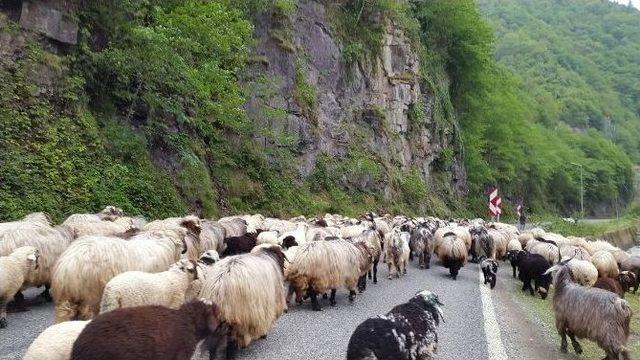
(125, 288)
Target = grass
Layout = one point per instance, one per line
(590, 229)
(542, 311)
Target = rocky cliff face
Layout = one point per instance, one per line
(377, 106)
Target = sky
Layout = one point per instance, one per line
(636, 3)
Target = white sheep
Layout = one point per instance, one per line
(137, 288)
(514, 245)
(55, 342)
(299, 234)
(583, 271)
(14, 270)
(605, 263)
(50, 242)
(33, 219)
(249, 289)
(396, 252)
(320, 266)
(89, 263)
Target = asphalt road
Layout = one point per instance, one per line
(305, 334)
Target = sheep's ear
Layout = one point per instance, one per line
(32, 257)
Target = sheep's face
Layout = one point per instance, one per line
(429, 302)
(189, 267)
(210, 257)
(192, 223)
(33, 259)
(627, 279)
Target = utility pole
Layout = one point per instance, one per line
(581, 188)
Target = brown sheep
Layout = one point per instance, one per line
(151, 332)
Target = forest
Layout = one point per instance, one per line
(147, 111)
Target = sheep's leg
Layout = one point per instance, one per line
(232, 348)
(3, 314)
(46, 294)
(563, 336)
(289, 294)
(332, 298)
(375, 270)
(410, 255)
(404, 267)
(391, 270)
(575, 343)
(19, 304)
(315, 305)
(427, 260)
(514, 271)
(352, 295)
(362, 284)
(370, 274)
(493, 281)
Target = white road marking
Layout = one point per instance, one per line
(491, 329)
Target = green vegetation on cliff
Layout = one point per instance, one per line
(147, 113)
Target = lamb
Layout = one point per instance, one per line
(249, 289)
(453, 253)
(321, 266)
(56, 341)
(89, 263)
(408, 331)
(489, 270)
(421, 245)
(618, 285)
(632, 264)
(50, 243)
(14, 269)
(137, 288)
(396, 252)
(534, 267)
(605, 263)
(151, 332)
(601, 316)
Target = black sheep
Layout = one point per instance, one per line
(533, 267)
(151, 332)
(240, 244)
(408, 332)
(512, 256)
(489, 270)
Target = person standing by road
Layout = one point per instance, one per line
(521, 217)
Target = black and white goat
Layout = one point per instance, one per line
(489, 270)
(408, 332)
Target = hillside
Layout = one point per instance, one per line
(279, 107)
